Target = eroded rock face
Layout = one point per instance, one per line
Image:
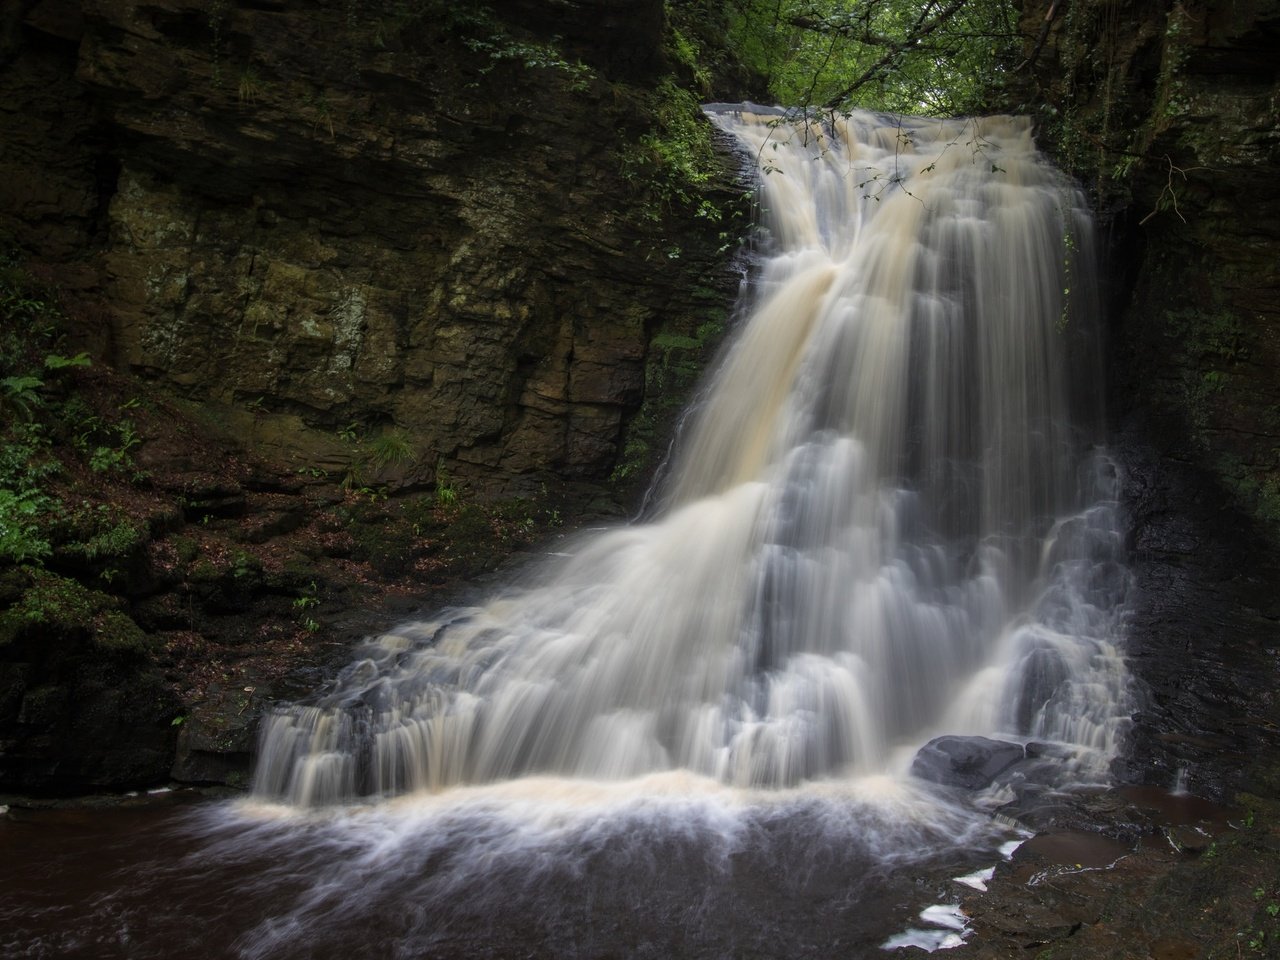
(382, 242)
(1168, 115)
(374, 218)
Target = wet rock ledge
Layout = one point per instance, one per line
(1140, 871)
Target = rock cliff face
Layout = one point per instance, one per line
(1169, 113)
(392, 222)
(387, 244)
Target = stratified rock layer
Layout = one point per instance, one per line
(414, 248)
(337, 220)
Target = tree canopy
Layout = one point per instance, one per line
(933, 57)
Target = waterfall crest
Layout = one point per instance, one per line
(887, 518)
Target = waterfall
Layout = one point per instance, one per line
(888, 518)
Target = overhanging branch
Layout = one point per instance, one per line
(919, 30)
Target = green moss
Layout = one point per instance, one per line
(1212, 351)
(55, 601)
(673, 366)
(667, 342)
(186, 548)
(203, 571)
(97, 535)
(53, 609)
(1215, 335)
(1206, 347)
(386, 547)
(116, 633)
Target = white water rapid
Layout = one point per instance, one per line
(887, 520)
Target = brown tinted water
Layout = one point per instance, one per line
(885, 527)
(656, 878)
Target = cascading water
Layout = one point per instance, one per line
(886, 520)
(691, 738)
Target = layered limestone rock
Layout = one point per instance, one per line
(386, 244)
(380, 221)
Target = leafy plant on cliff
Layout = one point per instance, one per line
(676, 156)
(26, 464)
(374, 454)
(48, 433)
(28, 319)
(448, 490)
(20, 538)
(391, 448)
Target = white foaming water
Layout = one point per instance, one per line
(886, 521)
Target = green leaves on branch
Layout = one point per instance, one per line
(937, 57)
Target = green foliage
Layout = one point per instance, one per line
(101, 535)
(391, 448)
(249, 86)
(448, 490)
(935, 58)
(114, 455)
(43, 412)
(687, 52)
(21, 539)
(106, 444)
(532, 56)
(676, 156)
(54, 361)
(1257, 491)
(29, 313)
(25, 468)
(52, 600)
(29, 321)
(675, 362)
(245, 565)
(21, 396)
(56, 604)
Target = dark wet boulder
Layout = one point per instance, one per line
(968, 762)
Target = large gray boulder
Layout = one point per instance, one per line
(971, 763)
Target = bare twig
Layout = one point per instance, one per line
(1168, 190)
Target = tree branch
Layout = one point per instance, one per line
(918, 32)
(1044, 35)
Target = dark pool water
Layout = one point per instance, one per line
(548, 870)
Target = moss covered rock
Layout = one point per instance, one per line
(80, 704)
